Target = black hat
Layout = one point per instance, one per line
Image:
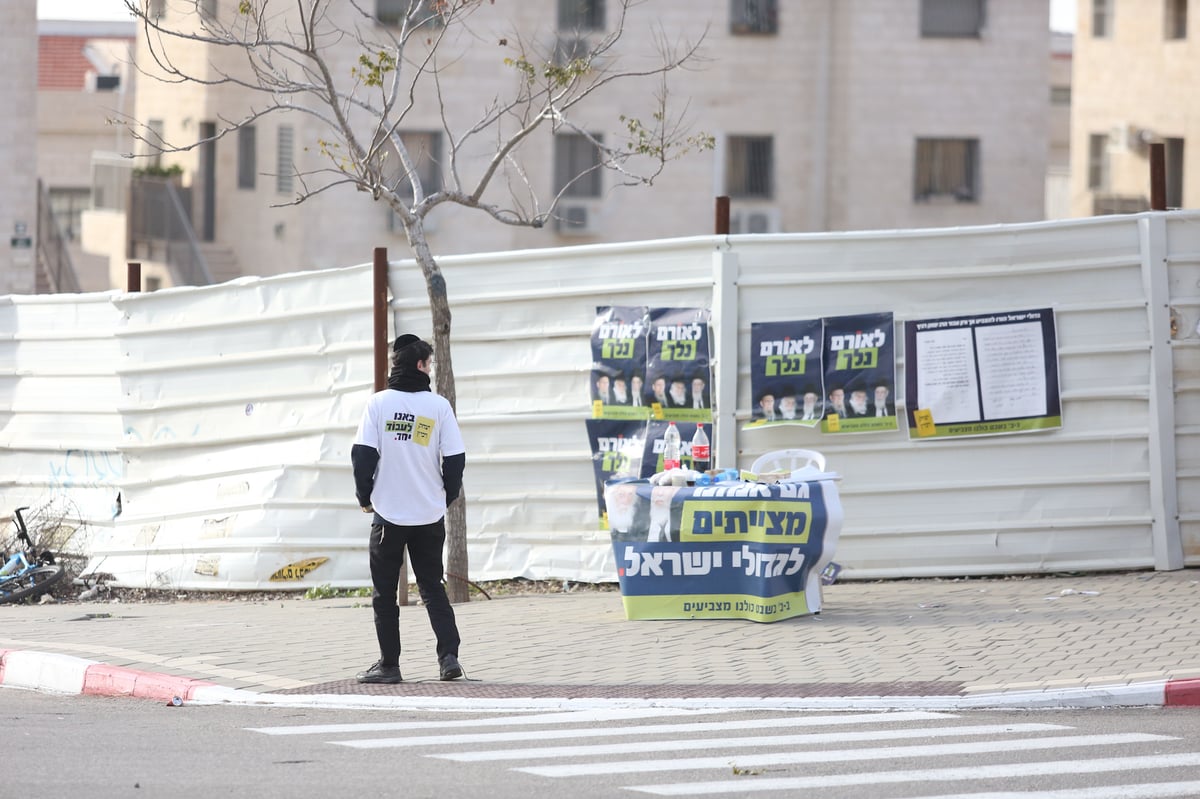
(403, 341)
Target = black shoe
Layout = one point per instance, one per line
(379, 673)
(449, 668)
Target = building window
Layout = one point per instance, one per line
(577, 165)
(1173, 152)
(157, 9)
(951, 18)
(947, 168)
(425, 150)
(208, 9)
(393, 12)
(1101, 19)
(1060, 95)
(246, 163)
(285, 169)
(1176, 19)
(154, 142)
(67, 206)
(1098, 162)
(749, 167)
(753, 16)
(581, 15)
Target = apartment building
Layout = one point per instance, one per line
(827, 115)
(18, 179)
(1136, 68)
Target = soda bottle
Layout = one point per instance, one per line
(671, 448)
(701, 457)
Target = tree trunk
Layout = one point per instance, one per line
(457, 572)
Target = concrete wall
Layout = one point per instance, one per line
(18, 179)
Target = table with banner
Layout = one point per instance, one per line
(731, 550)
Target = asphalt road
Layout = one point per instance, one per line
(102, 747)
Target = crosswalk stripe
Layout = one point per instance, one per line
(675, 744)
(649, 729)
(980, 772)
(840, 756)
(563, 717)
(1153, 790)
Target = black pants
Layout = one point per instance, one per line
(424, 544)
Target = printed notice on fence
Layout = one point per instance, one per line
(982, 375)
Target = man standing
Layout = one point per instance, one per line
(408, 459)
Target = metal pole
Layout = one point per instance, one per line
(379, 295)
(721, 227)
(133, 276)
(1158, 177)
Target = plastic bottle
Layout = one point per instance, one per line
(671, 448)
(701, 457)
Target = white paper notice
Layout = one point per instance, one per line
(946, 380)
(1012, 370)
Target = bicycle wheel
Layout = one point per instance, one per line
(31, 583)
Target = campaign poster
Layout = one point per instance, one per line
(983, 374)
(619, 363)
(617, 446)
(860, 374)
(742, 550)
(786, 376)
(656, 431)
(678, 364)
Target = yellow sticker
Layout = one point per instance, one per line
(423, 430)
(833, 424)
(297, 570)
(924, 420)
(656, 410)
(597, 409)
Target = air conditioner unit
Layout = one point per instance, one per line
(576, 219)
(754, 220)
(1121, 137)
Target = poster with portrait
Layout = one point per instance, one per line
(619, 363)
(860, 374)
(786, 374)
(983, 374)
(617, 447)
(678, 364)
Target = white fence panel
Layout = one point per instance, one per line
(1183, 269)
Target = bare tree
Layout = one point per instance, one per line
(291, 57)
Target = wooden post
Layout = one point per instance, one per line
(1158, 177)
(721, 227)
(379, 294)
(133, 276)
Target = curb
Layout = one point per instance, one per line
(48, 672)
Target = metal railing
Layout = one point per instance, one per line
(56, 271)
(160, 228)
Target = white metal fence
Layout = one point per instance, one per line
(222, 416)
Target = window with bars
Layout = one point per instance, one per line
(1101, 19)
(581, 15)
(1060, 95)
(947, 169)
(285, 168)
(577, 165)
(208, 9)
(753, 16)
(951, 18)
(247, 157)
(749, 167)
(1176, 19)
(1098, 162)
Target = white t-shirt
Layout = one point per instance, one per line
(413, 431)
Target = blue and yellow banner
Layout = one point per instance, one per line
(731, 550)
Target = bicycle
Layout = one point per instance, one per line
(27, 573)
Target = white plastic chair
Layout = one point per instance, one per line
(796, 461)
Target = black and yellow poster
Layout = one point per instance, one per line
(786, 374)
(860, 374)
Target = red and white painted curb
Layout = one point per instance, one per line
(64, 674)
